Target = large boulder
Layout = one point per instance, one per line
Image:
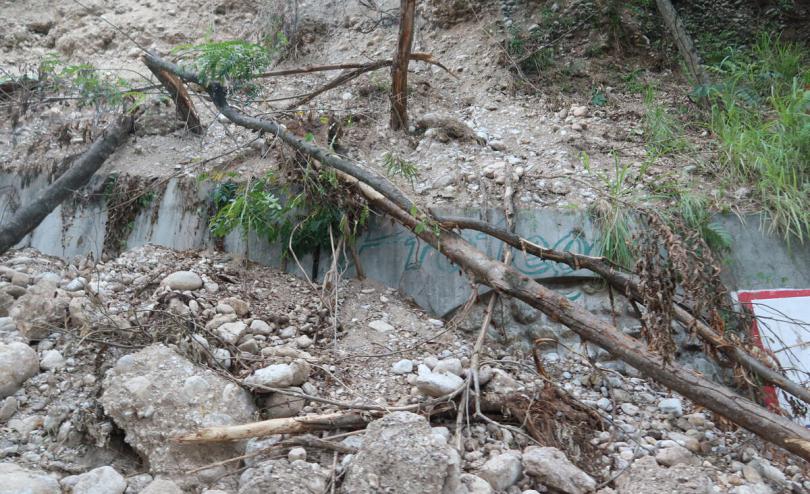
(400, 454)
(551, 467)
(18, 362)
(156, 393)
(645, 475)
(42, 309)
(15, 480)
(284, 477)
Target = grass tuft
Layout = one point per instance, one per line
(761, 116)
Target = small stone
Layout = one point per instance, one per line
(404, 366)
(605, 404)
(281, 406)
(162, 486)
(381, 326)
(75, 285)
(241, 307)
(260, 327)
(280, 375)
(183, 280)
(250, 346)
(671, 406)
(629, 409)
(751, 474)
(223, 357)
(20, 279)
(288, 332)
(8, 408)
(297, 454)
(675, 455)
(101, 480)
(231, 332)
(225, 309)
(303, 341)
(502, 471)
(449, 366)
(551, 467)
(579, 111)
(52, 360)
(769, 471)
(18, 362)
(474, 484)
(436, 384)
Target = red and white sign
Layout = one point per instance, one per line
(782, 328)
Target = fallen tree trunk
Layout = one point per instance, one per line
(382, 194)
(629, 285)
(28, 217)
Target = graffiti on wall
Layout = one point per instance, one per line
(417, 254)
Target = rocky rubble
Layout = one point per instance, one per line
(143, 354)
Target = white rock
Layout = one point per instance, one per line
(579, 111)
(675, 455)
(75, 285)
(605, 404)
(230, 332)
(473, 484)
(15, 480)
(449, 366)
(223, 357)
(151, 395)
(280, 375)
(442, 432)
(278, 406)
(101, 480)
(18, 362)
(502, 471)
(381, 326)
(162, 486)
(297, 454)
(769, 471)
(303, 341)
(224, 309)
(672, 406)
(436, 384)
(551, 467)
(430, 362)
(52, 360)
(404, 366)
(183, 280)
(260, 327)
(8, 408)
(629, 409)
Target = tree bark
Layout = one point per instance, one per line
(182, 102)
(382, 194)
(28, 217)
(399, 70)
(683, 41)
